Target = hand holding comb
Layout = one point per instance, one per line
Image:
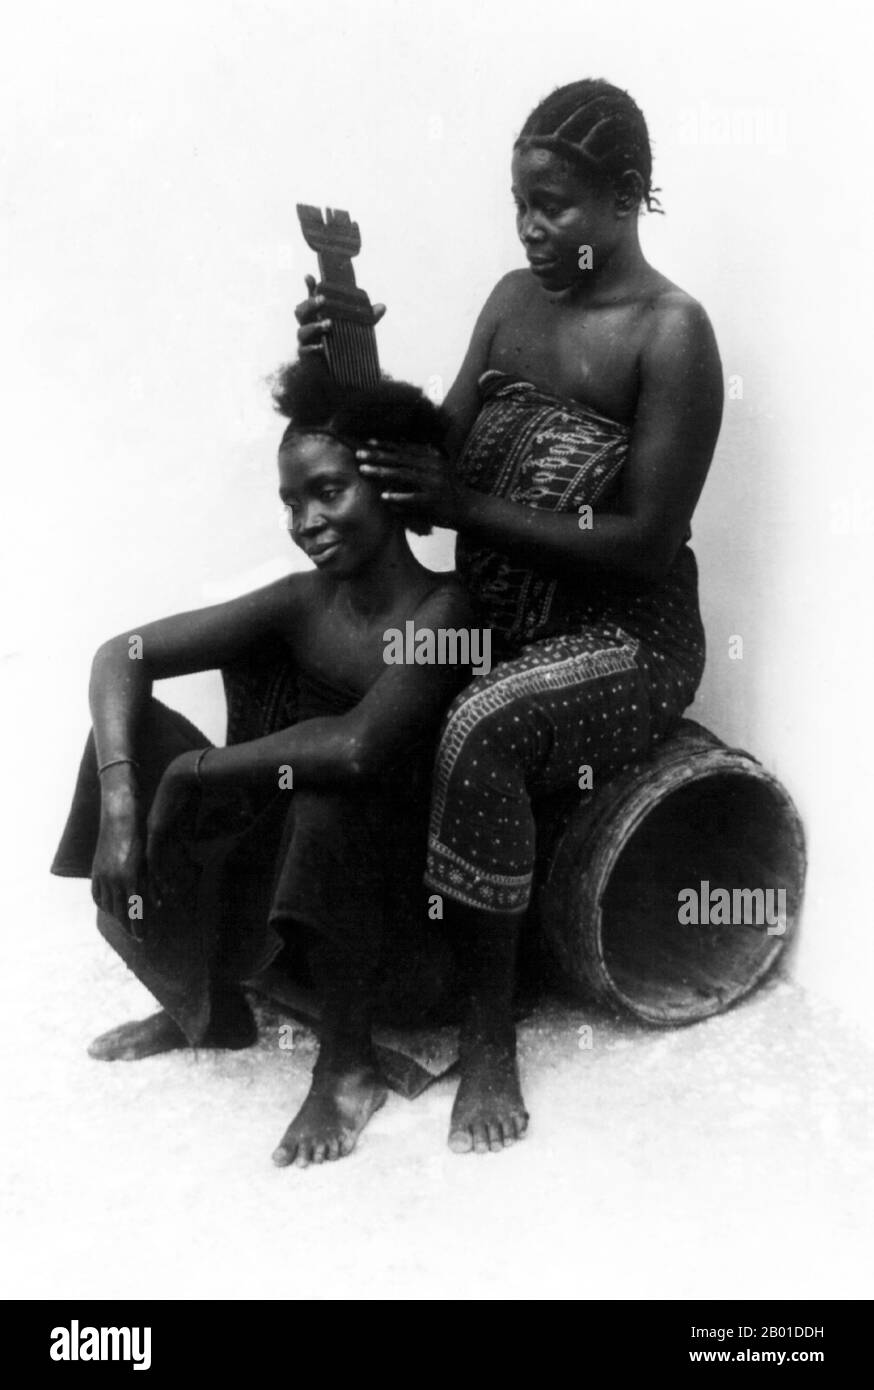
(350, 348)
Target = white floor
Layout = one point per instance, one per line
(725, 1160)
(731, 1159)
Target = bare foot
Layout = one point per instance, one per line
(158, 1033)
(145, 1038)
(328, 1124)
(489, 1112)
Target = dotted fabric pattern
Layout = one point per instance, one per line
(617, 675)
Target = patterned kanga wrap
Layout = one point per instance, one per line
(594, 672)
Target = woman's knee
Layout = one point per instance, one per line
(489, 729)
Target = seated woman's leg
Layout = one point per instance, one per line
(523, 731)
(351, 861)
(176, 959)
(165, 734)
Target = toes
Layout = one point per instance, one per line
(347, 1144)
(460, 1141)
(106, 1044)
(303, 1152)
(489, 1137)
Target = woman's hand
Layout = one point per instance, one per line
(416, 481)
(171, 820)
(314, 326)
(118, 870)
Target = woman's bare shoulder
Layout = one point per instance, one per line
(282, 602)
(286, 589)
(672, 307)
(679, 333)
(447, 597)
(504, 299)
(512, 289)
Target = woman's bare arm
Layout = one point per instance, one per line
(401, 708)
(122, 674)
(673, 437)
(352, 750)
(204, 639)
(462, 400)
(675, 428)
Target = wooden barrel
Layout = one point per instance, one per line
(695, 818)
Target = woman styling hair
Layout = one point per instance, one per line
(582, 424)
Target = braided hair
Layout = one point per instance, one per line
(599, 129)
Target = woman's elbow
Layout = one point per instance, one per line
(110, 652)
(357, 762)
(654, 557)
(120, 659)
(655, 566)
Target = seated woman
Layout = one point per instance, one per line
(584, 420)
(207, 862)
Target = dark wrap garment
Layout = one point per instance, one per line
(278, 876)
(593, 670)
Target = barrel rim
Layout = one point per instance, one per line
(634, 800)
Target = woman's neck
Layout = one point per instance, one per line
(376, 587)
(619, 271)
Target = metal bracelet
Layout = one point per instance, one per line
(115, 762)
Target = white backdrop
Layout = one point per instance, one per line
(152, 158)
